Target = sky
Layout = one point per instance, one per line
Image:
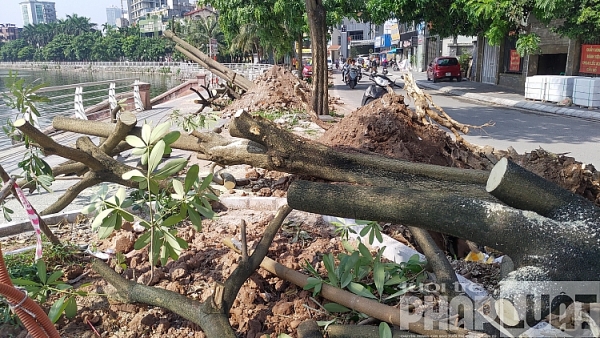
(10, 11)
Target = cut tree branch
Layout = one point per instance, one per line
(495, 225)
(52, 147)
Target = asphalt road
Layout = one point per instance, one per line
(523, 130)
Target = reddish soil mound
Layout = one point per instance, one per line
(386, 127)
(273, 90)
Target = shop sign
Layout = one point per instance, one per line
(590, 59)
(515, 61)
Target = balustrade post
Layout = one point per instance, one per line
(141, 96)
(78, 104)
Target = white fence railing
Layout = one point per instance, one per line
(182, 69)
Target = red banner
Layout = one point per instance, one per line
(515, 61)
(590, 59)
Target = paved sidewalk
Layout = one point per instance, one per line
(492, 94)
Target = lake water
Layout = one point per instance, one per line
(159, 84)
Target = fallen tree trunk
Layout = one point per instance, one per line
(212, 65)
(522, 189)
(530, 239)
(264, 145)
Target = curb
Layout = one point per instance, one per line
(19, 227)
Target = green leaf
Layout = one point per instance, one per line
(54, 276)
(171, 137)
(178, 187)
(41, 270)
(135, 142)
(364, 251)
(57, 309)
(195, 218)
(206, 182)
(311, 282)
(134, 174)
(24, 282)
(172, 220)
(396, 294)
(360, 290)
(71, 308)
(156, 155)
(379, 277)
(330, 267)
(345, 279)
(120, 196)
(378, 235)
(396, 279)
(146, 132)
(335, 307)
(154, 188)
(348, 247)
(108, 225)
(364, 231)
(160, 131)
(191, 177)
(384, 330)
(325, 324)
(170, 168)
(142, 241)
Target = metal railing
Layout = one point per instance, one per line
(184, 70)
(76, 100)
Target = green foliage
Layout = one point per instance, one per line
(463, 60)
(528, 44)
(192, 122)
(40, 284)
(366, 275)
(371, 228)
(23, 98)
(189, 199)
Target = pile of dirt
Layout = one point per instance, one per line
(272, 91)
(386, 127)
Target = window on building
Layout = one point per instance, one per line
(356, 35)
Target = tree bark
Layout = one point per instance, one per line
(264, 145)
(522, 189)
(213, 322)
(530, 239)
(211, 64)
(318, 39)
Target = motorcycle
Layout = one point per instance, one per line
(382, 85)
(395, 66)
(384, 70)
(352, 76)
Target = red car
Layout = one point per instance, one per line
(444, 67)
(307, 71)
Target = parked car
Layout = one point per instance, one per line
(307, 71)
(444, 67)
(329, 64)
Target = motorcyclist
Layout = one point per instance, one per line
(345, 68)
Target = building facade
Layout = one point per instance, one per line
(9, 32)
(140, 9)
(35, 12)
(353, 38)
(112, 14)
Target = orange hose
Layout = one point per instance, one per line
(38, 325)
